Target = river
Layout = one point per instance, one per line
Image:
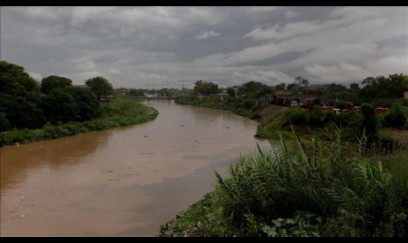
(120, 182)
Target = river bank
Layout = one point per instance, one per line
(305, 189)
(122, 111)
(295, 193)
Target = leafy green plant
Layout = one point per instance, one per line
(300, 190)
(396, 117)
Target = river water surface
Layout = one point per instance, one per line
(120, 182)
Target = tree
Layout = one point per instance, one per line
(205, 88)
(60, 106)
(305, 82)
(280, 86)
(86, 101)
(396, 116)
(135, 92)
(53, 82)
(333, 87)
(231, 92)
(369, 122)
(100, 86)
(19, 98)
(264, 91)
(301, 81)
(292, 86)
(354, 86)
(29, 115)
(14, 80)
(252, 88)
(368, 81)
(4, 123)
(381, 87)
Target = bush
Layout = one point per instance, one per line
(341, 105)
(386, 144)
(370, 123)
(396, 117)
(316, 118)
(296, 117)
(294, 191)
(351, 124)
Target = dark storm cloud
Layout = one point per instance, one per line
(169, 46)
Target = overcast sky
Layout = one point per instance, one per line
(154, 47)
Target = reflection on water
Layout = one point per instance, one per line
(125, 181)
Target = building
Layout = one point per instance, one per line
(283, 98)
(406, 94)
(354, 86)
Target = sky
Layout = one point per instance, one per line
(170, 47)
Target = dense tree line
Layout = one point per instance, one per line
(379, 91)
(26, 103)
(382, 87)
(205, 88)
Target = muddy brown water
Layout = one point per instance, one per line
(120, 182)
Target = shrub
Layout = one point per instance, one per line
(395, 117)
(316, 117)
(370, 123)
(294, 191)
(256, 115)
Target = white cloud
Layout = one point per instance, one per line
(267, 76)
(278, 32)
(206, 34)
(389, 65)
(336, 73)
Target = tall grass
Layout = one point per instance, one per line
(299, 191)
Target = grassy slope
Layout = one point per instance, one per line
(292, 192)
(122, 111)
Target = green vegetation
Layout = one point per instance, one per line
(122, 111)
(387, 88)
(240, 105)
(314, 123)
(297, 190)
(370, 123)
(32, 112)
(241, 101)
(396, 117)
(54, 82)
(256, 101)
(205, 88)
(304, 188)
(100, 86)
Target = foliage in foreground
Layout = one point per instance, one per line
(121, 112)
(294, 191)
